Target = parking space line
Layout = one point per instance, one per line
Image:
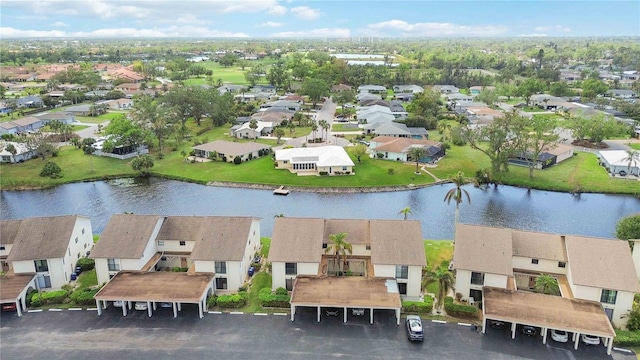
(439, 321)
(464, 324)
(280, 314)
(75, 309)
(215, 312)
(55, 309)
(37, 310)
(236, 313)
(260, 314)
(92, 309)
(623, 350)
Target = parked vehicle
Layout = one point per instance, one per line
(9, 307)
(141, 305)
(357, 312)
(559, 336)
(590, 339)
(622, 173)
(414, 328)
(251, 271)
(497, 324)
(78, 270)
(529, 330)
(166, 305)
(332, 312)
(117, 303)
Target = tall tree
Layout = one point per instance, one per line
(279, 133)
(628, 228)
(142, 164)
(457, 194)
(89, 149)
(324, 125)
(530, 87)
(339, 247)
(532, 137)
(315, 89)
(344, 97)
(155, 116)
(632, 159)
(278, 75)
(443, 277)
(415, 154)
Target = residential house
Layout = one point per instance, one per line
(30, 101)
(230, 88)
(622, 94)
(218, 245)
(385, 263)
(398, 149)
(594, 269)
(120, 150)
(23, 152)
(118, 104)
(128, 87)
(445, 89)
(476, 90)
(263, 128)
(363, 98)
(394, 129)
(618, 162)
(283, 105)
(229, 150)
(273, 115)
(270, 89)
(550, 155)
(404, 97)
(21, 125)
(49, 247)
(372, 89)
(459, 97)
(340, 87)
(375, 113)
(320, 160)
(570, 76)
(61, 116)
(407, 89)
(85, 110)
(8, 231)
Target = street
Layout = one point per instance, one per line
(82, 334)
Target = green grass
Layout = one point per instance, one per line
(635, 146)
(96, 238)
(266, 245)
(99, 119)
(260, 280)
(342, 127)
(514, 101)
(533, 109)
(232, 74)
(437, 253)
(87, 279)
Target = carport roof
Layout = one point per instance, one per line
(163, 286)
(548, 311)
(348, 291)
(12, 285)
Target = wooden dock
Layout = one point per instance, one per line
(281, 191)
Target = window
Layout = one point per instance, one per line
(41, 265)
(78, 255)
(2, 247)
(368, 247)
(76, 239)
(113, 265)
(85, 246)
(221, 283)
(402, 288)
(402, 272)
(82, 231)
(562, 264)
(608, 296)
(160, 242)
(183, 243)
(477, 278)
(288, 283)
(221, 267)
(291, 269)
(324, 246)
(534, 261)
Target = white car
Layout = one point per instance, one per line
(559, 336)
(590, 339)
(141, 305)
(117, 303)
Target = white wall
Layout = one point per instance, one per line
(624, 303)
(586, 292)
(137, 264)
(543, 266)
(102, 270)
(360, 250)
(174, 245)
(384, 271)
(414, 283)
(26, 266)
(463, 283)
(279, 277)
(57, 273)
(495, 280)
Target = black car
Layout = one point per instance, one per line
(529, 330)
(622, 173)
(414, 328)
(497, 324)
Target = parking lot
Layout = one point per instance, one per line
(82, 334)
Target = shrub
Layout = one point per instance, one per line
(419, 307)
(49, 297)
(84, 297)
(233, 300)
(256, 266)
(67, 287)
(282, 291)
(179, 269)
(627, 338)
(379, 155)
(35, 300)
(51, 170)
(269, 299)
(237, 160)
(391, 171)
(212, 301)
(324, 173)
(459, 310)
(86, 264)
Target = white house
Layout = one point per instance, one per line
(22, 152)
(593, 269)
(620, 162)
(320, 160)
(217, 245)
(245, 130)
(384, 264)
(398, 148)
(48, 246)
(372, 89)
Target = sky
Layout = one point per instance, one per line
(315, 19)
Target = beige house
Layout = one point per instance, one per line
(321, 160)
(385, 263)
(46, 246)
(228, 150)
(593, 271)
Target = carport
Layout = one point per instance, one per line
(347, 292)
(14, 288)
(547, 312)
(156, 287)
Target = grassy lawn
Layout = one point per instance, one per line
(513, 101)
(260, 280)
(533, 109)
(437, 252)
(635, 146)
(87, 279)
(265, 243)
(342, 127)
(232, 74)
(99, 119)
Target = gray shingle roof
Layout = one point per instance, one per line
(41, 238)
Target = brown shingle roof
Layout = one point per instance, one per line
(602, 263)
(222, 238)
(42, 238)
(357, 230)
(8, 231)
(398, 145)
(483, 249)
(297, 240)
(125, 236)
(397, 242)
(537, 245)
(231, 148)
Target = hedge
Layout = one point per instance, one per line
(233, 300)
(84, 297)
(86, 264)
(627, 338)
(269, 299)
(49, 297)
(212, 301)
(419, 307)
(459, 310)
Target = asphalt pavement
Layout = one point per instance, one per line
(82, 334)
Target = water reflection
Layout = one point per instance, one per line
(589, 214)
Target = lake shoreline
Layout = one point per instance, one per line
(324, 190)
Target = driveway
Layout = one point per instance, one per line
(84, 335)
(325, 113)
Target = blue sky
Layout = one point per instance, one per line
(315, 19)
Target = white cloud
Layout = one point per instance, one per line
(60, 24)
(533, 35)
(271, 24)
(277, 10)
(321, 33)
(305, 12)
(437, 29)
(541, 29)
(171, 31)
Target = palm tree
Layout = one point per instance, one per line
(339, 247)
(456, 194)
(443, 277)
(633, 157)
(416, 153)
(547, 284)
(444, 127)
(325, 127)
(405, 212)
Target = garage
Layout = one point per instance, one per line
(14, 289)
(547, 312)
(353, 293)
(148, 289)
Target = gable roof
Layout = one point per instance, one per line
(42, 238)
(296, 240)
(125, 236)
(397, 242)
(601, 263)
(483, 249)
(231, 148)
(8, 231)
(538, 245)
(330, 155)
(399, 145)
